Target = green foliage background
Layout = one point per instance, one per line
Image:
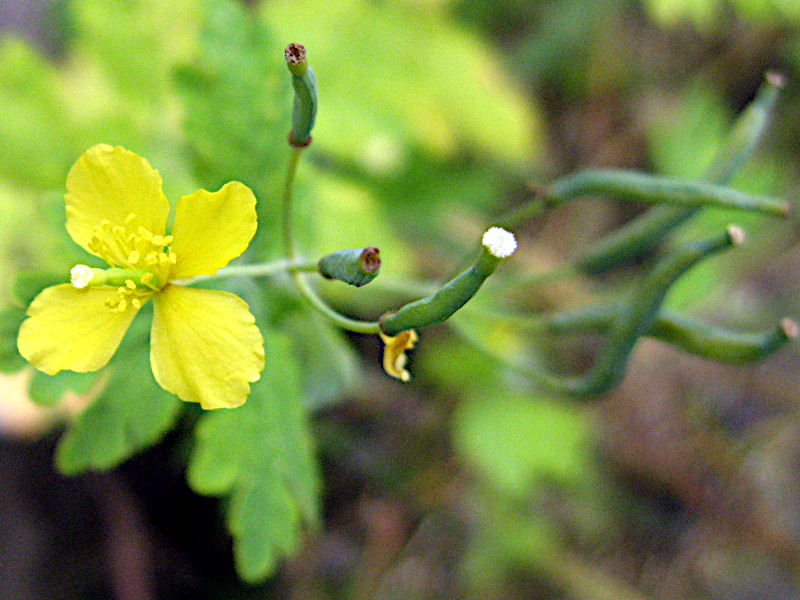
(434, 116)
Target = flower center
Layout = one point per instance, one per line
(140, 262)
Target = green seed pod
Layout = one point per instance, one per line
(305, 95)
(497, 245)
(357, 266)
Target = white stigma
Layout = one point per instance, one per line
(499, 242)
(80, 276)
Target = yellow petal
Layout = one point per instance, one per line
(205, 346)
(394, 353)
(110, 184)
(72, 329)
(212, 228)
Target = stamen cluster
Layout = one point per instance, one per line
(121, 247)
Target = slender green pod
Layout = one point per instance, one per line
(497, 244)
(746, 131)
(640, 187)
(304, 83)
(357, 266)
(636, 318)
(692, 336)
(643, 233)
(720, 344)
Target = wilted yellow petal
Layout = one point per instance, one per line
(212, 228)
(72, 329)
(205, 346)
(110, 184)
(394, 353)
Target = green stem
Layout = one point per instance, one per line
(627, 324)
(288, 190)
(311, 296)
(269, 269)
(441, 305)
(299, 277)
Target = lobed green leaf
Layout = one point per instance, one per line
(260, 456)
(130, 414)
(47, 390)
(237, 105)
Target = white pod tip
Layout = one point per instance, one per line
(499, 242)
(80, 276)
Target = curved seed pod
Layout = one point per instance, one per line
(719, 344)
(640, 187)
(357, 266)
(497, 245)
(692, 336)
(643, 233)
(637, 318)
(304, 83)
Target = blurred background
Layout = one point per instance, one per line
(435, 117)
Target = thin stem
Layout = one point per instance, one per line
(291, 172)
(311, 296)
(269, 269)
(299, 278)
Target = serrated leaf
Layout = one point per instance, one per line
(10, 320)
(237, 105)
(47, 390)
(262, 510)
(132, 413)
(260, 455)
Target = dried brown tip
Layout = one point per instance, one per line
(790, 328)
(786, 210)
(735, 235)
(370, 259)
(295, 54)
(296, 144)
(775, 79)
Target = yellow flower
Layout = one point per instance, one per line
(394, 353)
(204, 344)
